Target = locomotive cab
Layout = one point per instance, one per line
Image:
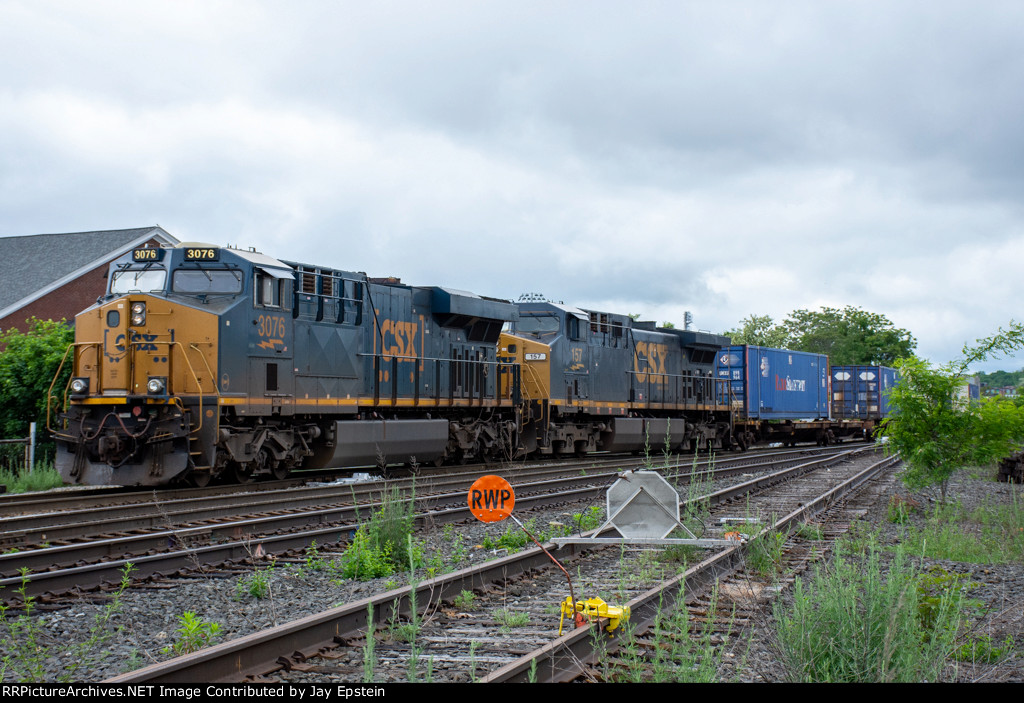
(143, 401)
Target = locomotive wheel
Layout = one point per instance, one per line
(241, 473)
(280, 471)
(199, 479)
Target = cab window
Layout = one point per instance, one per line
(143, 279)
(272, 292)
(206, 282)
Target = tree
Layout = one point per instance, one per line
(936, 431)
(761, 331)
(850, 336)
(28, 362)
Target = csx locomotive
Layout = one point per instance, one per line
(204, 362)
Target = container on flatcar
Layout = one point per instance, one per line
(861, 392)
(775, 384)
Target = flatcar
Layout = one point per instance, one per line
(786, 396)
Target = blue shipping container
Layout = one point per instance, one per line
(861, 392)
(775, 384)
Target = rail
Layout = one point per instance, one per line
(467, 379)
(685, 390)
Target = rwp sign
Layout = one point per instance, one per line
(491, 499)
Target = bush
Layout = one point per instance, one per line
(384, 545)
(852, 624)
(28, 363)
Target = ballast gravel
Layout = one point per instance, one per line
(145, 623)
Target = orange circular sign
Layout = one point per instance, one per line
(491, 499)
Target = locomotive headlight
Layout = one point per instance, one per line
(79, 386)
(157, 385)
(138, 311)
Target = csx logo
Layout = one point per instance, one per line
(650, 359)
(142, 342)
(398, 338)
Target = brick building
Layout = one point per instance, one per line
(55, 276)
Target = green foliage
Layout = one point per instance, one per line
(256, 584)
(847, 336)
(760, 331)
(677, 650)
(363, 560)
(1000, 379)
(900, 509)
(852, 624)
(764, 553)
(28, 363)
(369, 649)
(23, 637)
(810, 531)
(42, 478)
(981, 650)
(988, 535)
(935, 432)
(464, 601)
(194, 633)
(589, 519)
(384, 545)
(933, 588)
(314, 561)
(509, 619)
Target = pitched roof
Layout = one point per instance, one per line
(34, 265)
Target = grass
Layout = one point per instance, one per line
(509, 620)
(514, 539)
(988, 534)
(384, 545)
(255, 585)
(764, 553)
(858, 622)
(678, 650)
(26, 645)
(42, 478)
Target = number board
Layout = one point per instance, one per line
(202, 254)
(147, 255)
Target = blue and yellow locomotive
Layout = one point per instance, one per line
(596, 381)
(204, 362)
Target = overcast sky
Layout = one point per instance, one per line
(726, 158)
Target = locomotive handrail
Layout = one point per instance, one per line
(712, 386)
(170, 375)
(99, 377)
(49, 392)
(476, 390)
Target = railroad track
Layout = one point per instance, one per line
(164, 538)
(334, 644)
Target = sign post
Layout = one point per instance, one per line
(491, 499)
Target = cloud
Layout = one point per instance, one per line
(654, 158)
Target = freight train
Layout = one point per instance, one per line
(204, 362)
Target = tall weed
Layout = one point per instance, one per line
(853, 622)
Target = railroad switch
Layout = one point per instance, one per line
(594, 608)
